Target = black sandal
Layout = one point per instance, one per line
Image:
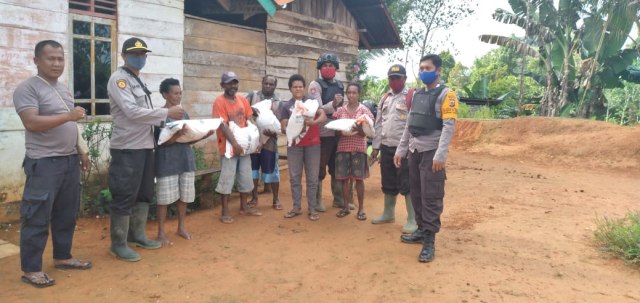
(292, 213)
(342, 213)
(32, 280)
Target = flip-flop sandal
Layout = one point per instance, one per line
(32, 280)
(362, 216)
(314, 216)
(226, 219)
(292, 213)
(342, 213)
(251, 212)
(252, 204)
(75, 264)
(277, 206)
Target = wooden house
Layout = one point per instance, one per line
(192, 40)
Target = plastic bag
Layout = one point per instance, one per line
(266, 120)
(196, 130)
(296, 121)
(347, 126)
(247, 137)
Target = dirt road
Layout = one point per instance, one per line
(513, 231)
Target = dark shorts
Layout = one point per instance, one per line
(351, 166)
(265, 160)
(394, 180)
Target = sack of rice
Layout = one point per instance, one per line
(196, 130)
(247, 137)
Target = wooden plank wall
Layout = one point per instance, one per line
(295, 41)
(22, 25)
(327, 10)
(212, 48)
(160, 24)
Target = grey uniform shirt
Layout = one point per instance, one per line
(391, 119)
(315, 92)
(438, 140)
(58, 141)
(132, 112)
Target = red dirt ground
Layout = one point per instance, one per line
(521, 200)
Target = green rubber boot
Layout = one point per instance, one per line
(119, 247)
(338, 199)
(138, 226)
(411, 225)
(388, 214)
(319, 204)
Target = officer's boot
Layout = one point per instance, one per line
(411, 225)
(319, 204)
(417, 237)
(119, 247)
(428, 251)
(138, 226)
(388, 214)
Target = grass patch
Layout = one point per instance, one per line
(620, 237)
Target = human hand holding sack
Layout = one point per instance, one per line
(247, 137)
(266, 120)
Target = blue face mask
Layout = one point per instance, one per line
(136, 62)
(428, 77)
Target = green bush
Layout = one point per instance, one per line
(620, 237)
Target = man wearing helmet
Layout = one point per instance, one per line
(331, 92)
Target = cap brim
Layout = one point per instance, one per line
(131, 49)
(396, 74)
(230, 80)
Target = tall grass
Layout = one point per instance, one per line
(620, 237)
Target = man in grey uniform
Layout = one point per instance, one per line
(52, 165)
(390, 122)
(426, 139)
(132, 171)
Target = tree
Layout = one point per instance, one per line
(448, 62)
(458, 77)
(418, 20)
(592, 32)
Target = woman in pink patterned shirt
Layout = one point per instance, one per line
(351, 158)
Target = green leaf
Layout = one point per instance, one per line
(511, 43)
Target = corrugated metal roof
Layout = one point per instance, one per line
(375, 25)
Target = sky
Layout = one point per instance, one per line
(464, 37)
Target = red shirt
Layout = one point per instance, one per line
(237, 111)
(312, 137)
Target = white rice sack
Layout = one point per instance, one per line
(310, 107)
(196, 130)
(345, 126)
(263, 106)
(296, 123)
(267, 121)
(367, 125)
(247, 137)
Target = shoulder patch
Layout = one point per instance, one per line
(449, 108)
(122, 84)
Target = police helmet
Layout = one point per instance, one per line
(328, 57)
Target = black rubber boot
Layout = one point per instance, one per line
(428, 251)
(416, 237)
(119, 247)
(138, 226)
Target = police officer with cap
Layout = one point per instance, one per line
(391, 120)
(131, 173)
